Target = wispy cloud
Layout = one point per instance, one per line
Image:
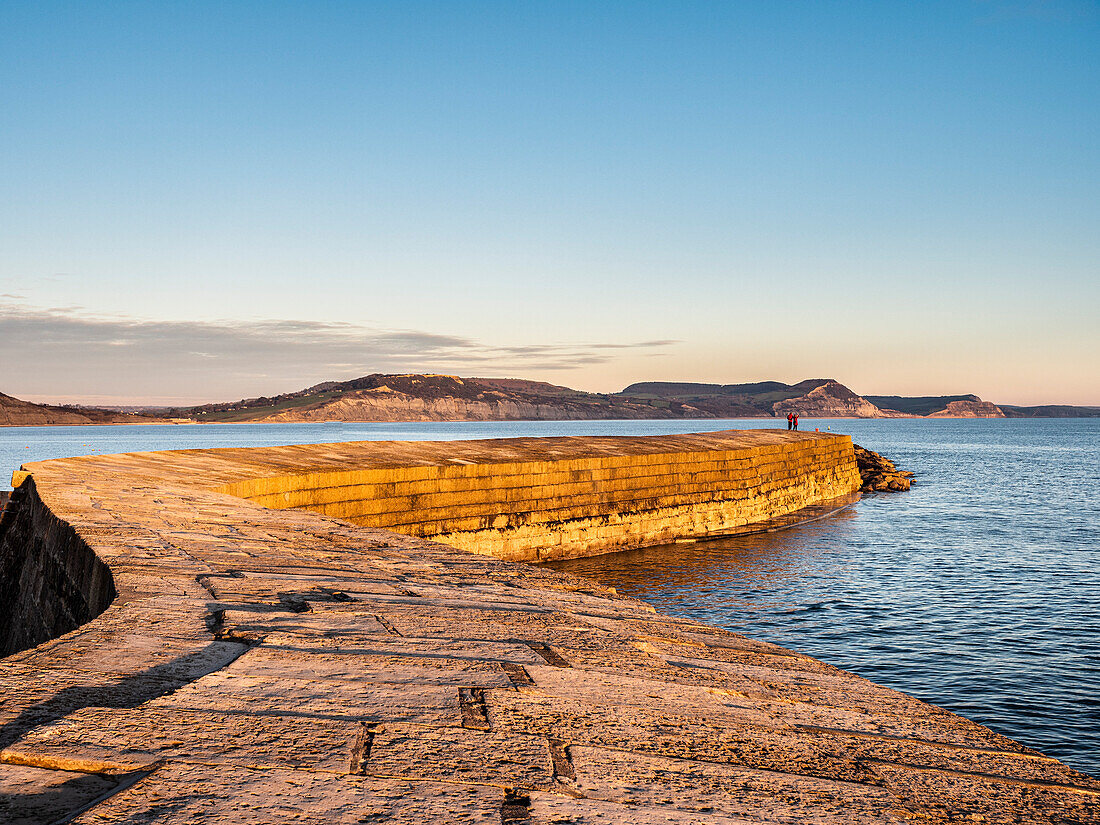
(63, 353)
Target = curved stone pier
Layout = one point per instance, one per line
(265, 665)
(538, 499)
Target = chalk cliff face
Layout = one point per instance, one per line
(938, 406)
(373, 405)
(448, 398)
(831, 400)
(813, 398)
(969, 409)
(416, 397)
(441, 398)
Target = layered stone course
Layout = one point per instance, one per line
(632, 493)
(272, 666)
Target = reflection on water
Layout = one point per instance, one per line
(763, 570)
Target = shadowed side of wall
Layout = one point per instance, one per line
(51, 581)
(555, 509)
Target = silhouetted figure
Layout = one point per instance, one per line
(790, 421)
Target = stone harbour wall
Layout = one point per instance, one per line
(569, 507)
(266, 666)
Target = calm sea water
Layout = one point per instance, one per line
(979, 590)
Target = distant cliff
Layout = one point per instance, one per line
(14, 413)
(939, 406)
(415, 397)
(437, 398)
(969, 409)
(422, 397)
(1050, 411)
(831, 400)
(813, 398)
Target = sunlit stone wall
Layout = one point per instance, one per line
(541, 510)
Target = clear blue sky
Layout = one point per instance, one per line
(201, 201)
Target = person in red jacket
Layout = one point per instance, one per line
(790, 421)
(796, 421)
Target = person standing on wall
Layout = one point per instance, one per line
(790, 420)
(796, 421)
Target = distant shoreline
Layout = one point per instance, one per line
(416, 397)
(778, 420)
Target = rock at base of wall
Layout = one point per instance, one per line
(880, 474)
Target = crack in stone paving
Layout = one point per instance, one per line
(551, 656)
(360, 748)
(471, 701)
(393, 631)
(516, 674)
(562, 761)
(215, 622)
(516, 806)
(294, 603)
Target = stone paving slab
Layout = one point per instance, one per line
(331, 699)
(705, 735)
(141, 738)
(29, 795)
(364, 669)
(951, 796)
(476, 757)
(260, 619)
(559, 810)
(707, 787)
(263, 666)
(183, 794)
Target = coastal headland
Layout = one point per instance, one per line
(193, 637)
(424, 397)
